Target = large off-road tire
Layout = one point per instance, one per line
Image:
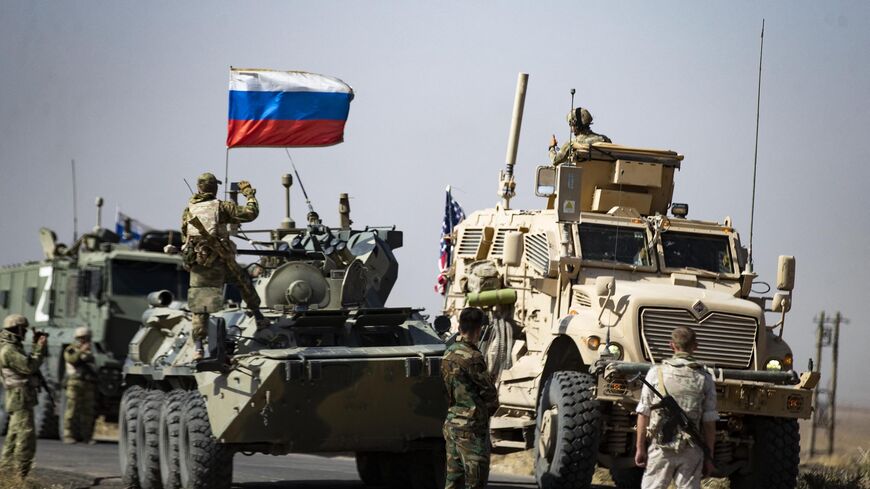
(148, 441)
(203, 462)
(45, 416)
(419, 469)
(170, 423)
(128, 419)
(629, 478)
(775, 455)
(4, 416)
(567, 433)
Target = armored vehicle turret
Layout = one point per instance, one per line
(100, 282)
(583, 293)
(331, 369)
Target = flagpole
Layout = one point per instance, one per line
(448, 208)
(226, 172)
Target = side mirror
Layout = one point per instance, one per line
(781, 302)
(512, 253)
(605, 286)
(441, 324)
(545, 181)
(785, 273)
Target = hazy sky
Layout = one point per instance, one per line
(136, 92)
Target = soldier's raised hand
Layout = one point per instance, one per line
(246, 189)
(553, 142)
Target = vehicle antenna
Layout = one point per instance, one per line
(749, 265)
(75, 208)
(299, 179)
(568, 141)
(188, 186)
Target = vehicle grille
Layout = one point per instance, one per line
(538, 251)
(469, 241)
(724, 340)
(497, 249)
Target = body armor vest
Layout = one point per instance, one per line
(684, 381)
(208, 213)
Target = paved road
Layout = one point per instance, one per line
(100, 462)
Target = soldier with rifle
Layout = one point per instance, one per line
(209, 254)
(81, 388)
(20, 374)
(673, 426)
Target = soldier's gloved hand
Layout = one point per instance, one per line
(170, 249)
(246, 189)
(553, 142)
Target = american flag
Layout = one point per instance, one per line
(453, 215)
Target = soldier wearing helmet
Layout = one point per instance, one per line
(208, 271)
(580, 121)
(18, 371)
(81, 388)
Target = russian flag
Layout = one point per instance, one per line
(286, 108)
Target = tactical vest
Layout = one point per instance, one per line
(11, 378)
(208, 213)
(684, 381)
(82, 371)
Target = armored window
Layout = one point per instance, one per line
(614, 244)
(4, 299)
(30, 296)
(708, 252)
(140, 278)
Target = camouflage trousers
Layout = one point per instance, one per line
(467, 458)
(20, 444)
(205, 294)
(78, 414)
(682, 466)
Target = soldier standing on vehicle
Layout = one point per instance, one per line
(81, 387)
(208, 270)
(580, 121)
(679, 459)
(471, 399)
(20, 382)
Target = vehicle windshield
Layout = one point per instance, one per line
(616, 244)
(707, 252)
(140, 278)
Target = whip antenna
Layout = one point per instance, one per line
(755, 158)
(75, 207)
(299, 179)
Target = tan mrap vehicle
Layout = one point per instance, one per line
(330, 369)
(583, 294)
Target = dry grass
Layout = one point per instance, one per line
(15, 482)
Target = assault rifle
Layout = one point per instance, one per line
(228, 256)
(675, 417)
(43, 384)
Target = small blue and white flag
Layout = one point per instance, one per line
(129, 229)
(453, 215)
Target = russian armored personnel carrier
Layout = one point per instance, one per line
(332, 369)
(98, 282)
(583, 294)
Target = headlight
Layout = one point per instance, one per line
(593, 342)
(614, 349)
(774, 365)
(788, 361)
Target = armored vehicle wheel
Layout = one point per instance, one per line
(629, 478)
(128, 414)
(147, 441)
(203, 462)
(4, 417)
(170, 421)
(775, 455)
(567, 432)
(45, 417)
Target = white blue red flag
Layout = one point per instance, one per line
(129, 229)
(453, 215)
(286, 108)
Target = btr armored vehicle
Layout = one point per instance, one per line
(583, 294)
(330, 369)
(97, 282)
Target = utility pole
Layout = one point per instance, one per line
(818, 367)
(835, 346)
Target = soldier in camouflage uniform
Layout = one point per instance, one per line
(81, 387)
(471, 399)
(18, 369)
(680, 460)
(579, 119)
(208, 271)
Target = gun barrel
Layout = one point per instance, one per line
(516, 121)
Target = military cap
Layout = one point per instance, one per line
(82, 332)
(208, 178)
(581, 114)
(14, 321)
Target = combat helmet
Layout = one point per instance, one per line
(82, 332)
(579, 114)
(14, 321)
(207, 183)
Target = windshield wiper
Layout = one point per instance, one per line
(703, 272)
